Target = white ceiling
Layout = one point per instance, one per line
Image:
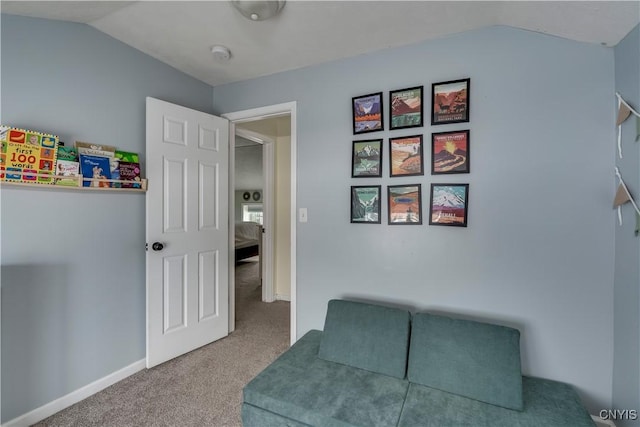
(306, 33)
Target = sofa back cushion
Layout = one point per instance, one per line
(471, 359)
(366, 336)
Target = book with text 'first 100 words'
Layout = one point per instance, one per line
(27, 156)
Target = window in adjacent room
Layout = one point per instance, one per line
(252, 212)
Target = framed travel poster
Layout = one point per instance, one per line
(365, 204)
(449, 204)
(406, 156)
(450, 152)
(367, 113)
(406, 108)
(405, 204)
(450, 102)
(366, 158)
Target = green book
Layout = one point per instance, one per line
(69, 154)
(126, 156)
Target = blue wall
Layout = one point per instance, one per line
(538, 251)
(626, 374)
(73, 264)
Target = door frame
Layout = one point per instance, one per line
(268, 162)
(253, 114)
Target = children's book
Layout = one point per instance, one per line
(27, 156)
(88, 148)
(67, 168)
(130, 171)
(95, 171)
(126, 156)
(67, 153)
(3, 158)
(114, 166)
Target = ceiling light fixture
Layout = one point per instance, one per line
(258, 10)
(220, 53)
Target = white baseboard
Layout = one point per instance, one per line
(602, 423)
(281, 297)
(76, 396)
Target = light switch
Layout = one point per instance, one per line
(302, 215)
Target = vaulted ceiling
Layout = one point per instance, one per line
(306, 33)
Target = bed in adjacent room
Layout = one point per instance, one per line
(248, 241)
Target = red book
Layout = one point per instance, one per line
(130, 171)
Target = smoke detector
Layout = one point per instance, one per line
(221, 53)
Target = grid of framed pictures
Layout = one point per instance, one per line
(449, 154)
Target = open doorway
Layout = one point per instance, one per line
(269, 131)
(249, 183)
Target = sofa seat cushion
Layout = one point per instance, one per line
(366, 336)
(309, 390)
(546, 403)
(473, 359)
(256, 417)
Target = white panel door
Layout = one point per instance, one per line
(187, 230)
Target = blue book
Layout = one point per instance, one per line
(96, 169)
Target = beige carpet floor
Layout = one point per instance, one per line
(201, 388)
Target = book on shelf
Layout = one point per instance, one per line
(130, 171)
(114, 166)
(126, 156)
(3, 158)
(90, 149)
(27, 156)
(67, 153)
(95, 171)
(68, 169)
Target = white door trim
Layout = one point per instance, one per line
(268, 161)
(287, 108)
(232, 226)
(253, 136)
(268, 204)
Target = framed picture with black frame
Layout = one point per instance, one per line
(406, 108)
(450, 102)
(404, 204)
(365, 204)
(449, 204)
(406, 156)
(450, 152)
(366, 158)
(368, 114)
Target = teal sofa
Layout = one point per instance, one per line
(379, 366)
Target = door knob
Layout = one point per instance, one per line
(157, 246)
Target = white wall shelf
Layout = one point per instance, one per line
(77, 186)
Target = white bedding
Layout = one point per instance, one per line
(247, 234)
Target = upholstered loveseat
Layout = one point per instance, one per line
(379, 366)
